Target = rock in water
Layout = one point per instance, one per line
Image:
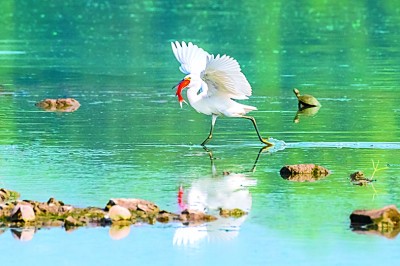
(23, 234)
(23, 213)
(119, 213)
(358, 178)
(134, 205)
(59, 105)
(7, 195)
(387, 218)
(71, 222)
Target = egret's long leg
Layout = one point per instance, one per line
(253, 120)
(213, 119)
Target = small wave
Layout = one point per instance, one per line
(11, 52)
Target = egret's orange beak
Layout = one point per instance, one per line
(182, 85)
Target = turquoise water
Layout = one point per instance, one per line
(129, 138)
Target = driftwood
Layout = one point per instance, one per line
(303, 172)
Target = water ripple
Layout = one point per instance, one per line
(353, 145)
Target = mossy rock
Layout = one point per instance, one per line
(236, 213)
(8, 195)
(59, 105)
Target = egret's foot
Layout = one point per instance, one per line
(267, 143)
(205, 141)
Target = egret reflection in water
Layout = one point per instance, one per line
(210, 194)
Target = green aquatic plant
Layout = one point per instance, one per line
(376, 169)
(358, 178)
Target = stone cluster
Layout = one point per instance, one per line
(16, 213)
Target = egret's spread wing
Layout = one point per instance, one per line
(192, 58)
(224, 76)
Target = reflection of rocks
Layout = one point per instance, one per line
(303, 177)
(358, 178)
(303, 172)
(118, 231)
(385, 221)
(59, 105)
(23, 234)
(385, 233)
(118, 213)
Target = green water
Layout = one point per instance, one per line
(129, 138)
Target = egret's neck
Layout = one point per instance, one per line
(197, 91)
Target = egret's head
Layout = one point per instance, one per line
(182, 85)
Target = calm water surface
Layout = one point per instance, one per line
(129, 138)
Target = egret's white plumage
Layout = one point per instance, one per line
(213, 82)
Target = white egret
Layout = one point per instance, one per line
(213, 82)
